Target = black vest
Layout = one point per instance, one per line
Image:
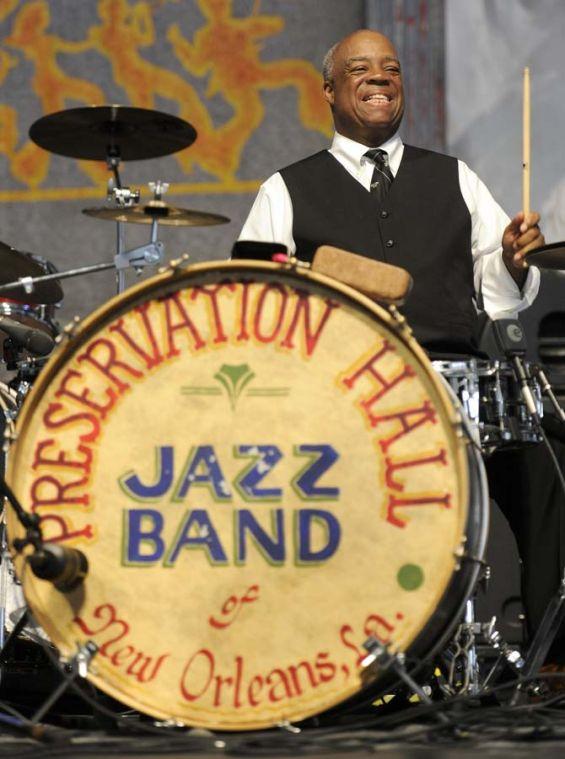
(423, 225)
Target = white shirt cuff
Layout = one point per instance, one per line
(502, 298)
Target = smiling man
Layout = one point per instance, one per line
(414, 208)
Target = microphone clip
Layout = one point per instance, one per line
(65, 567)
(511, 341)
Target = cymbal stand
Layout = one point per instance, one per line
(28, 283)
(150, 254)
(122, 197)
(145, 255)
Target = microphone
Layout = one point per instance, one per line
(511, 340)
(33, 340)
(65, 567)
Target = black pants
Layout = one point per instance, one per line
(524, 484)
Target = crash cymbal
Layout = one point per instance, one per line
(100, 131)
(157, 209)
(14, 265)
(548, 257)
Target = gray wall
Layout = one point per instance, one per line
(488, 43)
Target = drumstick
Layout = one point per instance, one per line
(526, 144)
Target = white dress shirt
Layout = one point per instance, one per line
(271, 220)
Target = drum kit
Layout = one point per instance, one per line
(250, 499)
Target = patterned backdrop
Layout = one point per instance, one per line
(245, 73)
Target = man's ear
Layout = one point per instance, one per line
(329, 92)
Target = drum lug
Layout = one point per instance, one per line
(10, 437)
(291, 262)
(175, 264)
(461, 555)
(288, 726)
(296, 263)
(68, 330)
(399, 321)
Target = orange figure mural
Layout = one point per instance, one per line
(228, 49)
(124, 31)
(8, 115)
(50, 83)
(225, 53)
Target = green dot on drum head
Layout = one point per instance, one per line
(410, 577)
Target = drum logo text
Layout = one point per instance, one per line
(203, 472)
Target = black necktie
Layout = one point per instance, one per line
(382, 175)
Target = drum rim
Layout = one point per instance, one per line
(164, 283)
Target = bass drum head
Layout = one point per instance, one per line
(263, 470)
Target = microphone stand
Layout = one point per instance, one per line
(33, 537)
(78, 664)
(548, 390)
(511, 341)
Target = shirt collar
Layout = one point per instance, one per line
(350, 153)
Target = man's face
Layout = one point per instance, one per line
(365, 94)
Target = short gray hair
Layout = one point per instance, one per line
(328, 63)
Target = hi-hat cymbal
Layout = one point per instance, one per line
(13, 266)
(98, 132)
(158, 209)
(548, 256)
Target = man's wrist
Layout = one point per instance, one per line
(518, 274)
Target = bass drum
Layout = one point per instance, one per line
(263, 470)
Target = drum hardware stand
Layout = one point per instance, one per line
(125, 197)
(463, 672)
(28, 283)
(175, 264)
(506, 653)
(13, 636)
(380, 655)
(541, 643)
(150, 254)
(548, 390)
(76, 666)
(468, 639)
(510, 338)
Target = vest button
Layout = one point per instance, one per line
(389, 243)
(384, 214)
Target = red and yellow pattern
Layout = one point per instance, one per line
(224, 52)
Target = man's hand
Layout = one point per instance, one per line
(520, 237)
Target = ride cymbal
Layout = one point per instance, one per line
(98, 132)
(548, 256)
(159, 210)
(13, 266)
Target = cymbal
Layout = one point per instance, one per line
(550, 256)
(97, 132)
(13, 266)
(158, 209)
